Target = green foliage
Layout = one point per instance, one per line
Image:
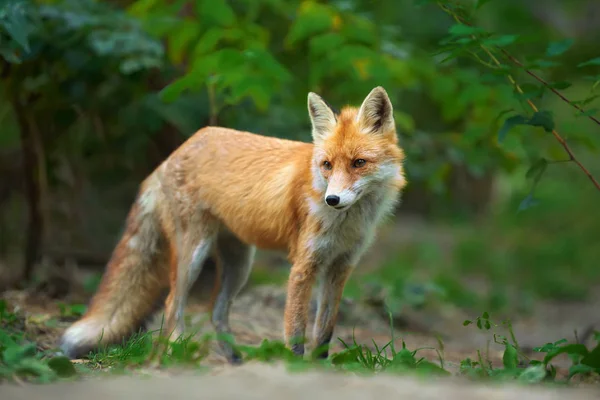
(17, 25)
(145, 348)
(540, 118)
(21, 360)
(489, 49)
(518, 366)
(357, 357)
(72, 310)
(227, 56)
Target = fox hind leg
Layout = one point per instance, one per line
(235, 260)
(187, 263)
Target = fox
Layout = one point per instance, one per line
(225, 193)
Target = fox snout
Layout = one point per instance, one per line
(340, 200)
(332, 200)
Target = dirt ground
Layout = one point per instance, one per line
(257, 314)
(273, 382)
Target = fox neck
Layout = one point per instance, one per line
(350, 232)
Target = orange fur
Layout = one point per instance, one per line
(225, 192)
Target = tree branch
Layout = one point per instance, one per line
(558, 137)
(546, 84)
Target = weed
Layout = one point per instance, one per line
(21, 361)
(516, 365)
(71, 311)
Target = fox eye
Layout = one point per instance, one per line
(359, 163)
(326, 165)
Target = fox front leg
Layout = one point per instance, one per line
(300, 282)
(334, 279)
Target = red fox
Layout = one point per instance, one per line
(225, 193)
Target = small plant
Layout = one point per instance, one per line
(585, 361)
(516, 365)
(21, 361)
(7, 318)
(72, 310)
(357, 357)
(143, 349)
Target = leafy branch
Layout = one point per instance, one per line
(538, 118)
(549, 86)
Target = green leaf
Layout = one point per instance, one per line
(503, 40)
(527, 202)
(581, 369)
(179, 40)
(530, 91)
(560, 85)
(481, 3)
(172, 91)
(431, 368)
(533, 374)
(6, 340)
(267, 64)
(575, 348)
(463, 30)
(217, 11)
(593, 61)
(359, 30)
(586, 101)
(590, 112)
(15, 354)
(558, 48)
(543, 119)
(541, 64)
(592, 359)
(509, 123)
(510, 358)
(209, 41)
(32, 366)
(62, 366)
(13, 18)
(346, 356)
(78, 309)
(313, 18)
(405, 358)
(322, 44)
(536, 170)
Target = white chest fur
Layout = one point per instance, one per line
(349, 233)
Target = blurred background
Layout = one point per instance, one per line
(96, 94)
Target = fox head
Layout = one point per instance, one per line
(355, 152)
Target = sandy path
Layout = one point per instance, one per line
(273, 382)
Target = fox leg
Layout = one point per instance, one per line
(186, 266)
(302, 277)
(330, 295)
(235, 260)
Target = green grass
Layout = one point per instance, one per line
(20, 359)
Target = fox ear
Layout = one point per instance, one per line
(376, 114)
(322, 117)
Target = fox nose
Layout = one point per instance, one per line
(332, 200)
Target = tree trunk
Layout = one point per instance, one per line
(35, 222)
